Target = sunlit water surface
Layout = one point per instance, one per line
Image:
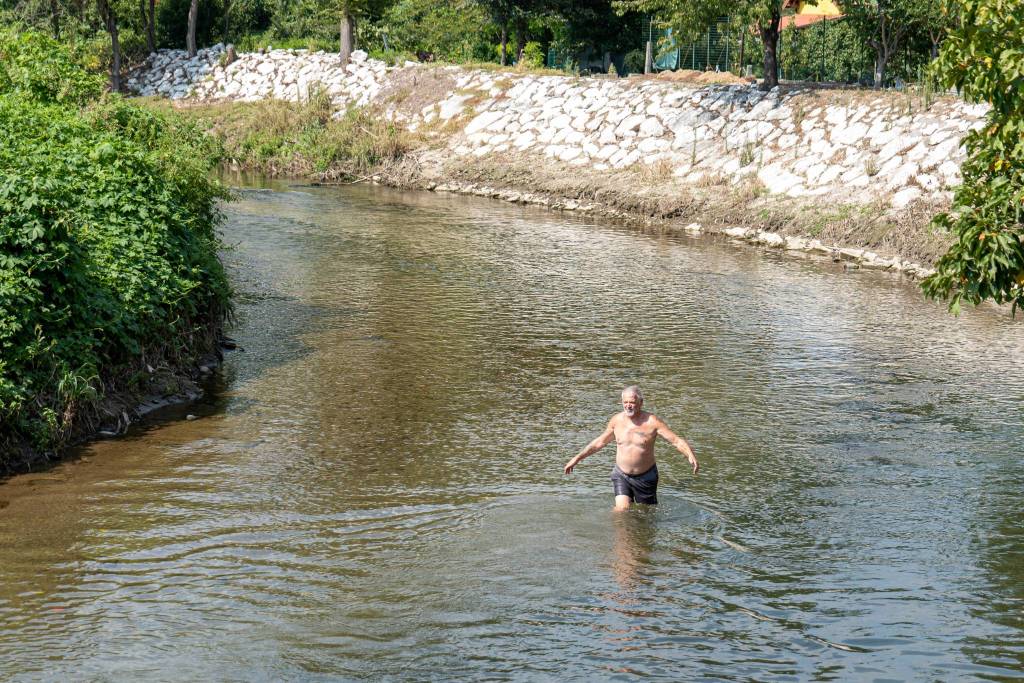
(373, 488)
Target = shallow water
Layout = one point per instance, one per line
(373, 488)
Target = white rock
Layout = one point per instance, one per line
(940, 153)
(483, 121)
(904, 197)
(901, 176)
(851, 134)
(918, 152)
(524, 140)
(570, 153)
(950, 172)
(777, 180)
(829, 174)
(629, 125)
(770, 239)
(897, 145)
(573, 137)
(561, 121)
(651, 128)
(649, 145)
(452, 107)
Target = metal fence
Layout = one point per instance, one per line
(716, 49)
(824, 51)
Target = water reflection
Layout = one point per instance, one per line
(634, 536)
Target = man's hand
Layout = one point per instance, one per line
(571, 464)
(696, 465)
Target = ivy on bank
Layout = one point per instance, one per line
(108, 251)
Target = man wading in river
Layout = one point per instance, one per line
(635, 475)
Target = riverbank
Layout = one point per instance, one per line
(112, 294)
(852, 173)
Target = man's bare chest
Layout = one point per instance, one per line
(642, 435)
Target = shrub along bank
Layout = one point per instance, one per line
(109, 274)
(281, 138)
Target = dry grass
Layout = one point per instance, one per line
(305, 139)
(657, 172)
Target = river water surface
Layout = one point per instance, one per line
(373, 488)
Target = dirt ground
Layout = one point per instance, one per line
(703, 77)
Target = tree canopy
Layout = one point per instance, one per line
(983, 58)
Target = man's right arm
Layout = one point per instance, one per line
(607, 436)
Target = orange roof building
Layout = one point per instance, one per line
(808, 13)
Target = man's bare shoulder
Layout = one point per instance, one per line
(655, 421)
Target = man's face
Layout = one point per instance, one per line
(631, 404)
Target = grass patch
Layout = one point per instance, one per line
(303, 139)
(495, 67)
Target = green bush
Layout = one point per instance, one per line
(454, 32)
(983, 58)
(533, 55)
(826, 51)
(108, 255)
(36, 68)
(634, 62)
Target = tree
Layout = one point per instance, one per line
(694, 16)
(149, 22)
(190, 35)
(983, 58)
(500, 12)
(351, 10)
(935, 21)
(109, 17)
(884, 24)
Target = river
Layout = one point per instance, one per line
(373, 487)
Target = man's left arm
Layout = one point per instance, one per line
(681, 444)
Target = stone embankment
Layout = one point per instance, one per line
(829, 146)
(279, 74)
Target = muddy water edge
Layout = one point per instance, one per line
(374, 487)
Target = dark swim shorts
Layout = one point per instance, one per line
(641, 488)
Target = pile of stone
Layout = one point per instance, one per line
(171, 74)
(849, 145)
(293, 75)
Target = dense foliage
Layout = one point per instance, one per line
(984, 60)
(826, 51)
(108, 256)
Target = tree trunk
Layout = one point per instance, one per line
(743, 47)
(110, 21)
(190, 37)
(521, 29)
(348, 31)
(151, 28)
(770, 38)
(147, 22)
(504, 45)
(55, 19)
(227, 25)
(880, 63)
